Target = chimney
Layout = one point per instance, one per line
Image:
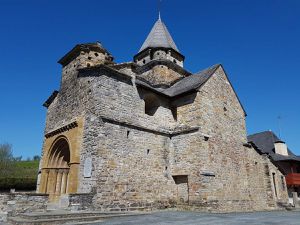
(281, 148)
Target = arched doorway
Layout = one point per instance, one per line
(58, 167)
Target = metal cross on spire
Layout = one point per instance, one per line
(158, 6)
(279, 126)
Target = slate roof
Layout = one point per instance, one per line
(51, 98)
(187, 84)
(159, 36)
(265, 143)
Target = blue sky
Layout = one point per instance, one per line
(258, 43)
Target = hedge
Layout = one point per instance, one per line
(18, 183)
(19, 175)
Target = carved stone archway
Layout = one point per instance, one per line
(58, 167)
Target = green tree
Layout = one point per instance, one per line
(6, 159)
(6, 152)
(36, 158)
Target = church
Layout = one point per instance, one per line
(149, 134)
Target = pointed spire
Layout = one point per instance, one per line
(159, 36)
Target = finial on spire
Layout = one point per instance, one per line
(159, 1)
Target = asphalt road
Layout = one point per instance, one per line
(196, 218)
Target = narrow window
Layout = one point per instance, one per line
(274, 183)
(282, 182)
(148, 151)
(128, 132)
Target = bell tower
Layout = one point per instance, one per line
(159, 61)
(159, 45)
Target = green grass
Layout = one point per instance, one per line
(21, 175)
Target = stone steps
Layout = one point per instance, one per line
(66, 217)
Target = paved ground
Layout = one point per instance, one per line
(194, 218)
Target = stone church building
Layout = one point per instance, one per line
(150, 134)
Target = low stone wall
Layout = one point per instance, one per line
(19, 202)
(82, 201)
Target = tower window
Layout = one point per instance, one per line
(88, 65)
(96, 54)
(144, 61)
(174, 61)
(89, 58)
(148, 151)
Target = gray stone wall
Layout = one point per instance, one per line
(135, 172)
(12, 204)
(115, 99)
(215, 109)
(81, 201)
(161, 75)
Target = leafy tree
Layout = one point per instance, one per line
(6, 159)
(6, 152)
(36, 158)
(18, 159)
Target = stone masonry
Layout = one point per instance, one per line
(150, 134)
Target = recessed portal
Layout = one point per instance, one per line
(58, 168)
